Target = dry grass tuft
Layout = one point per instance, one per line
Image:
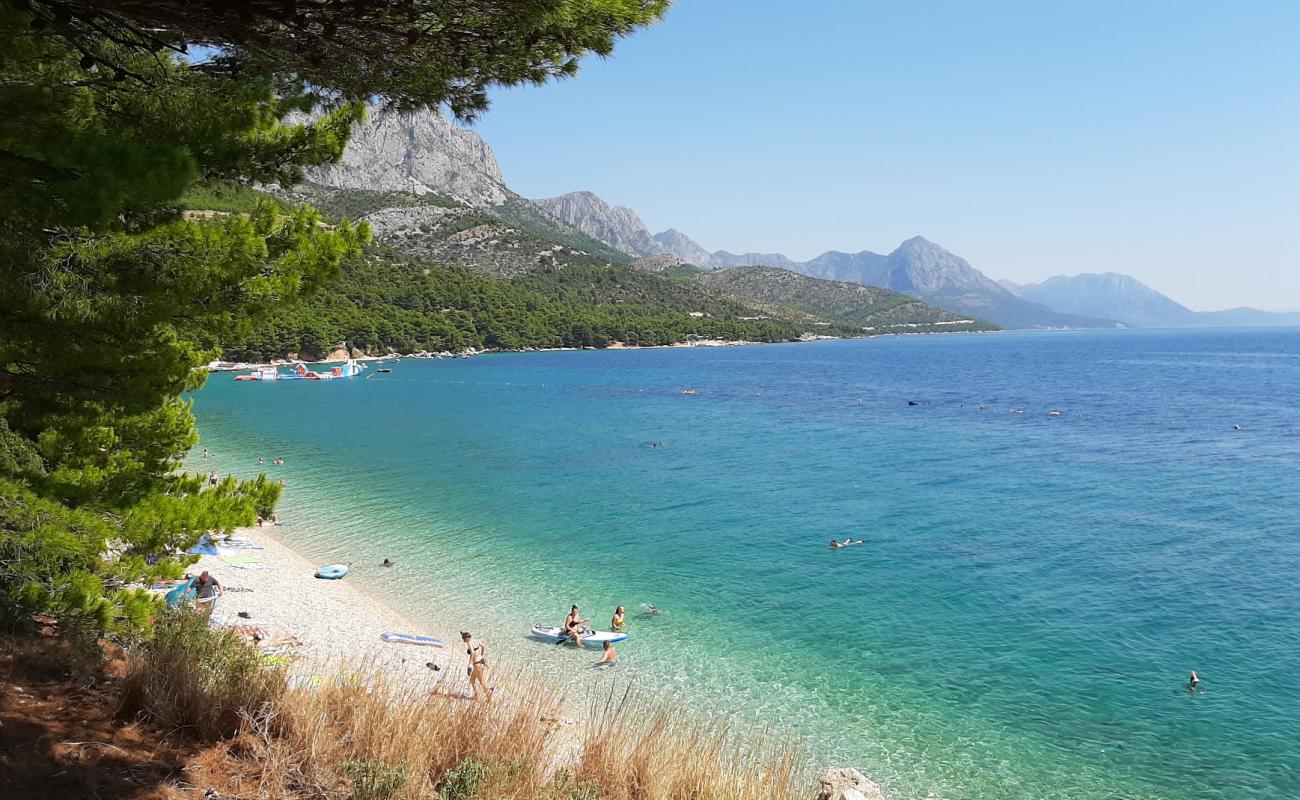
(362, 736)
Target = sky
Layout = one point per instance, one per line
(1158, 139)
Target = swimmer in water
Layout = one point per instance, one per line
(835, 545)
(1236, 427)
(388, 562)
(1193, 683)
(651, 611)
(609, 658)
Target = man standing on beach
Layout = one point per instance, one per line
(207, 589)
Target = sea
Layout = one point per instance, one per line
(1030, 595)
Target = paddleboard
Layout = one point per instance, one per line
(332, 572)
(555, 633)
(412, 638)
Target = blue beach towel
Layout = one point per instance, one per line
(205, 547)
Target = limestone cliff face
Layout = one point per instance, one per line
(616, 226)
(418, 152)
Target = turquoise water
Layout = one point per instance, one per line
(1031, 595)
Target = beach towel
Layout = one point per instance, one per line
(180, 594)
(242, 544)
(245, 562)
(205, 547)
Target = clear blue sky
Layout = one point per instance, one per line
(1159, 139)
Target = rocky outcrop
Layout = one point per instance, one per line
(616, 226)
(416, 152)
(847, 784)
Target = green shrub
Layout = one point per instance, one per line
(374, 780)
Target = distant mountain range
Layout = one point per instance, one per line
(433, 194)
(1127, 299)
(918, 267)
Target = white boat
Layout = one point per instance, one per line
(555, 633)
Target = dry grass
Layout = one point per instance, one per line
(363, 737)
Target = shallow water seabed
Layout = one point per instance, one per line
(1031, 595)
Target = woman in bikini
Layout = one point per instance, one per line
(616, 624)
(477, 670)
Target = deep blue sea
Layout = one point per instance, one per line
(1019, 623)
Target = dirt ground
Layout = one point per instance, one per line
(65, 735)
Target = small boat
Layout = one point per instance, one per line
(554, 633)
(385, 369)
(332, 572)
(412, 638)
(1054, 413)
(690, 392)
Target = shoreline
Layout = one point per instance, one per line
(336, 624)
(337, 621)
(334, 358)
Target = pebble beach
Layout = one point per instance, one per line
(336, 623)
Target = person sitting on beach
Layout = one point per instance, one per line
(477, 670)
(616, 624)
(610, 656)
(206, 591)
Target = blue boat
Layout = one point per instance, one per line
(332, 572)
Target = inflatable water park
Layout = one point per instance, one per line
(349, 369)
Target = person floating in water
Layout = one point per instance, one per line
(1237, 426)
(1193, 683)
(610, 657)
(835, 545)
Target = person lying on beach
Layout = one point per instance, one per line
(616, 624)
(610, 657)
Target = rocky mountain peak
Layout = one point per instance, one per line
(674, 242)
(616, 226)
(418, 152)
